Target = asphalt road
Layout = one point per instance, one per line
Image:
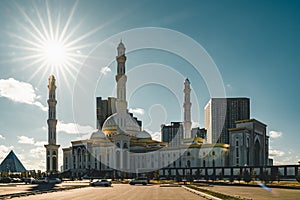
(258, 193)
(119, 191)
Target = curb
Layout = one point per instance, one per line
(207, 196)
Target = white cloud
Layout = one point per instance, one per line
(25, 140)
(155, 135)
(275, 134)
(38, 152)
(105, 70)
(4, 150)
(40, 143)
(2, 137)
(139, 111)
(275, 153)
(195, 124)
(73, 128)
(20, 92)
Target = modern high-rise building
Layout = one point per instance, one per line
(172, 133)
(221, 114)
(52, 147)
(105, 108)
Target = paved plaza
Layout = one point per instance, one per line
(119, 191)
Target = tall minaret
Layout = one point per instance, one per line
(187, 109)
(52, 147)
(121, 78)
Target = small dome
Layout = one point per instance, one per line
(97, 135)
(117, 122)
(143, 135)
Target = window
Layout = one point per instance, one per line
(213, 163)
(118, 144)
(204, 163)
(237, 141)
(125, 146)
(247, 142)
(188, 154)
(188, 164)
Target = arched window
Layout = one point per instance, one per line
(118, 144)
(125, 146)
(188, 153)
(54, 163)
(188, 164)
(118, 161)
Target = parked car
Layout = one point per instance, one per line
(41, 180)
(101, 182)
(16, 180)
(28, 180)
(142, 181)
(54, 180)
(5, 180)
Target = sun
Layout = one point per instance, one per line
(55, 53)
(49, 42)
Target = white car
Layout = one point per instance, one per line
(41, 180)
(101, 182)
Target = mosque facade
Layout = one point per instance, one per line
(120, 143)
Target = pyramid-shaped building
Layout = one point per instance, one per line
(12, 164)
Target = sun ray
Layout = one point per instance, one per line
(30, 21)
(42, 23)
(49, 21)
(66, 26)
(50, 42)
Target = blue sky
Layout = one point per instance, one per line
(254, 44)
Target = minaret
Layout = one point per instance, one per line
(52, 147)
(187, 109)
(121, 77)
(121, 80)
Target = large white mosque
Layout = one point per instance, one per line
(121, 145)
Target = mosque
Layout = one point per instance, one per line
(121, 145)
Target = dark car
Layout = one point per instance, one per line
(5, 180)
(142, 181)
(101, 182)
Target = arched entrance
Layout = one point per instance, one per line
(257, 153)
